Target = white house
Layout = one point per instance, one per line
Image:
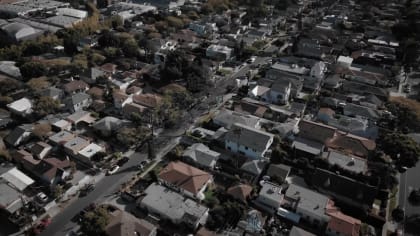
(310, 205)
(21, 107)
(269, 197)
(40, 149)
(219, 52)
(167, 204)
(248, 141)
(318, 70)
(86, 154)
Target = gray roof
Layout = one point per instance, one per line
(62, 21)
(308, 146)
(9, 68)
(78, 98)
(271, 191)
(171, 204)
(308, 200)
(279, 170)
(17, 133)
(108, 123)
(296, 231)
(346, 162)
(201, 154)
(356, 110)
(249, 137)
(227, 118)
(52, 92)
(254, 167)
(10, 197)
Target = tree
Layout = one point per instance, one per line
(41, 130)
(38, 84)
(33, 69)
(57, 191)
(403, 149)
(398, 214)
(94, 222)
(175, 22)
(414, 196)
(153, 176)
(131, 136)
(46, 105)
(108, 39)
(130, 48)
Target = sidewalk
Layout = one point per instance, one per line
(391, 225)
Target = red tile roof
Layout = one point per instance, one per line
(344, 224)
(184, 176)
(148, 100)
(240, 191)
(353, 144)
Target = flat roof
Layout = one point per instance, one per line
(17, 178)
(90, 150)
(172, 204)
(347, 162)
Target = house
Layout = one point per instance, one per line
(19, 135)
(75, 145)
(273, 75)
(278, 92)
(278, 172)
(270, 197)
(61, 137)
(240, 192)
(75, 86)
(227, 118)
(185, 178)
(78, 101)
(12, 184)
(296, 231)
(354, 110)
(132, 108)
(248, 141)
(248, 108)
(168, 204)
(96, 92)
(121, 99)
(52, 170)
(52, 92)
(40, 150)
(61, 125)
(292, 69)
(342, 225)
(253, 168)
(81, 116)
(85, 154)
(122, 223)
(355, 194)
(219, 52)
(108, 125)
(346, 161)
(24, 159)
(22, 107)
(309, 205)
(148, 100)
(318, 70)
(201, 155)
(352, 144)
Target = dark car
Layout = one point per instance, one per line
(122, 161)
(87, 189)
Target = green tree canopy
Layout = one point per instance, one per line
(33, 69)
(95, 222)
(403, 149)
(46, 105)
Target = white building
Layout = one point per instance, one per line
(219, 52)
(21, 107)
(270, 197)
(86, 154)
(248, 141)
(167, 204)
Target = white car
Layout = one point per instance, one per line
(42, 197)
(113, 169)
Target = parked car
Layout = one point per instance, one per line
(42, 197)
(122, 161)
(113, 170)
(87, 189)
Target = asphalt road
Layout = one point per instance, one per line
(61, 224)
(408, 181)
